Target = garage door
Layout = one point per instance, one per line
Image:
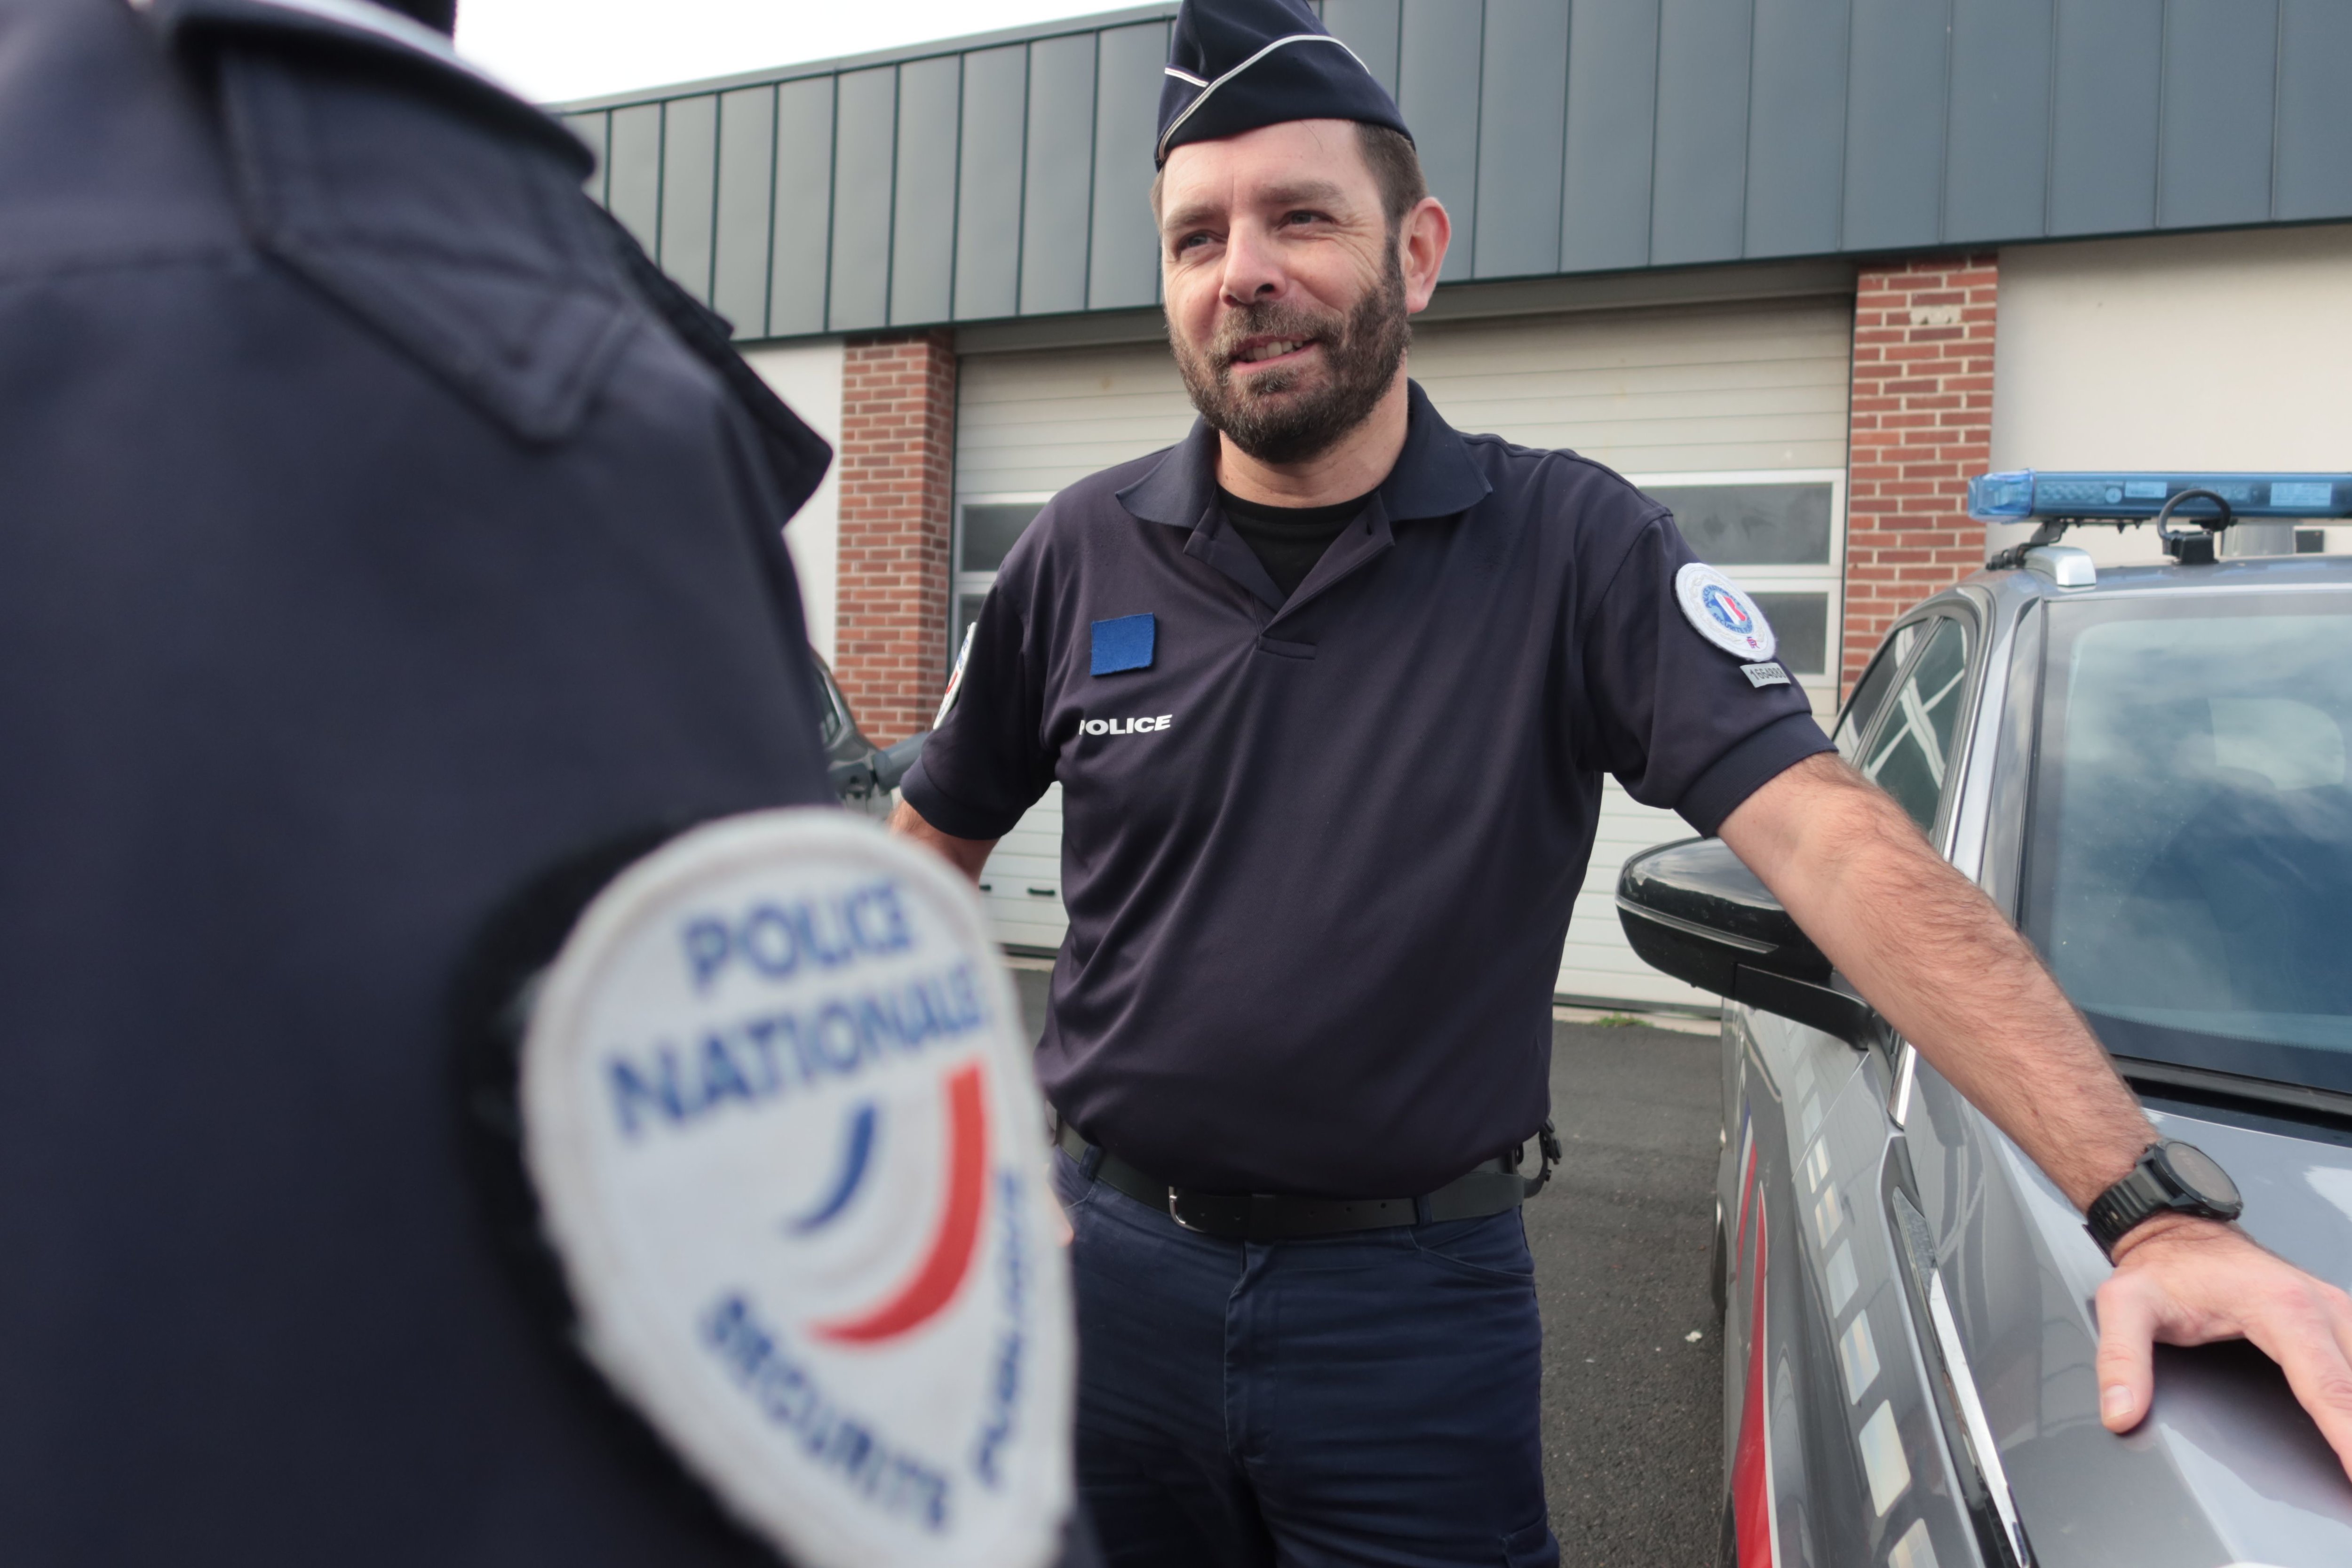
(1735, 414)
(1026, 425)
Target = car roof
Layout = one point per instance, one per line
(2013, 588)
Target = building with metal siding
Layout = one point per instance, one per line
(1752, 244)
(1006, 175)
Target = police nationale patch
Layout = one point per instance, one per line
(1723, 614)
(778, 1115)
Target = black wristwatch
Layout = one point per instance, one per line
(2170, 1178)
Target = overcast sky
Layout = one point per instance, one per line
(552, 50)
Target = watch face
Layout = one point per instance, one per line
(2192, 1168)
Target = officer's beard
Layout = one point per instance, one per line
(1272, 419)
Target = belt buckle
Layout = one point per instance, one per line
(1181, 1222)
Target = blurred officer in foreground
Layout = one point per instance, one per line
(375, 533)
(1301, 1023)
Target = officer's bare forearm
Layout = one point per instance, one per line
(966, 855)
(1943, 966)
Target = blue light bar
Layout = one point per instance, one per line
(2135, 497)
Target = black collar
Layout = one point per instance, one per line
(1433, 476)
(360, 29)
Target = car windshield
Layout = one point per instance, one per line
(2188, 869)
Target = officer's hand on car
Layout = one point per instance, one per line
(1958, 982)
(2182, 1280)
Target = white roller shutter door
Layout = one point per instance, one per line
(1027, 424)
(1743, 394)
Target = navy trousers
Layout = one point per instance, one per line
(1360, 1399)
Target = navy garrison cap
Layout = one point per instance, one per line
(1235, 64)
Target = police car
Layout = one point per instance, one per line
(863, 773)
(2147, 768)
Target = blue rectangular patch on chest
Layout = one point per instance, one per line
(1123, 644)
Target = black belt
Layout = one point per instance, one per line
(1491, 1189)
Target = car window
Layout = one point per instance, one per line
(1913, 749)
(832, 723)
(2192, 829)
(1863, 705)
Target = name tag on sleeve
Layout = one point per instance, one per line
(1764, 674)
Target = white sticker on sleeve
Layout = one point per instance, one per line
(1764, 674)
(1723, 614)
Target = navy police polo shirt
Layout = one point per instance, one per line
(1318, 854)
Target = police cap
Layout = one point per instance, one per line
(1235, 64)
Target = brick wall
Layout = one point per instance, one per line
(898, 454)
(1921, 424)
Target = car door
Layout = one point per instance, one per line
(1836, 1449)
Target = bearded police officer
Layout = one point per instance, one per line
(1302, 1012)
(383, 545)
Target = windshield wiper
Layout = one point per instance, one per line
(2201, 1090)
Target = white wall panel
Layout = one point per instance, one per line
(807, 376)
(2194, 351)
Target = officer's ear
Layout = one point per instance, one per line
(1422, 240)
(441, 15)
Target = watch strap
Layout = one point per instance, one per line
(2154, 1185)
(2117, 1211)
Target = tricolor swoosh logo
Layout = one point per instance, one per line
(857, 1157)
(946, 1263)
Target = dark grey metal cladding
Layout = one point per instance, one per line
(1439, 51)
(1997, 161)
(2103, 156)
(1894, 128)
(747, 188)
(1699, 208)
(923, 212)
(1123, 261)
(633, 189)
(1370, 28)
(1797, 128)
(2314, 156)
(1521, 124)
(1059, 183)
(866, 133)
(1612, 91)
(988, 184)
(689, 191)
(800, 249)
(2213, 147)
(1008, 177)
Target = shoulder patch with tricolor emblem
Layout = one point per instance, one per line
(1723, 614)
(778, 1116)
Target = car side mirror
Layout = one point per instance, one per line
(1695, 910)
(891, 763)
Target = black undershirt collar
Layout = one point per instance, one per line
(1288, 540)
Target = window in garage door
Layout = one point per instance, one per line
(986, 527)
(1780, 535)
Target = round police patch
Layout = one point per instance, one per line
(1723, 614)
(778, 1114)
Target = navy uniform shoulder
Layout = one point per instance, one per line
(1554, 488)
(420, 195)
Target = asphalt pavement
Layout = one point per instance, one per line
(1633, 1408)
